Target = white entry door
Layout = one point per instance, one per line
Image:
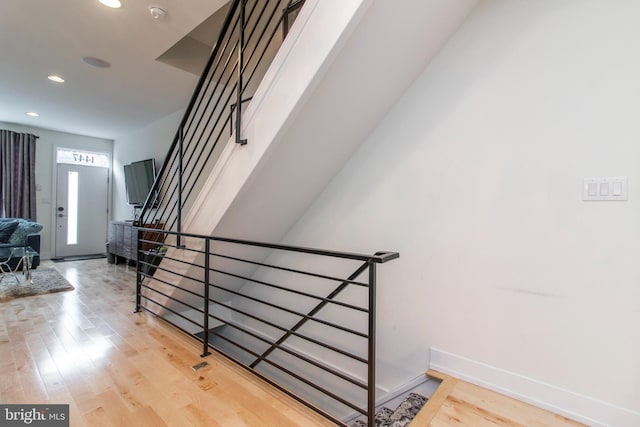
(81, 210)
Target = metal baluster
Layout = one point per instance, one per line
(371, 380)
(205, 337)
(179, 213)
(241, 42)
(138, 272)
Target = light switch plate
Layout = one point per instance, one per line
(604, 189)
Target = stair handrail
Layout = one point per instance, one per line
(277, 341)
(228, 78)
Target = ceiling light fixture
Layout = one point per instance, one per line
(32, 114)
(55, 78)
(157, 12)
(115, 4)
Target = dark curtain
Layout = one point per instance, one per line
(17, 175)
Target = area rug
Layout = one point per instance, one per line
(45, 281)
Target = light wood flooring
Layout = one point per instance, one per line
(115, 368)
(458, 403)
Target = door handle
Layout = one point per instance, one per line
(60, 215)
(60, 208)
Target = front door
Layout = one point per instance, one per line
(81, 210)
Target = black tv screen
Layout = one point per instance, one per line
(138, 178)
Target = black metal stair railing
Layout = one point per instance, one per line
(301, 319)
(250, 36)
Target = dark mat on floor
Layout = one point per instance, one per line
(78, 258)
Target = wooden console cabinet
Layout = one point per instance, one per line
(123, 241)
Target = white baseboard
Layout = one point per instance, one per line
(572, 405)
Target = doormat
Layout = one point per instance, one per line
(45, 281)
(78, 258)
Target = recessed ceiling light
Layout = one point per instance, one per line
(96, 62)
(55, 78)
(111, 3)
(32, 114)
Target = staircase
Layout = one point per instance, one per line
(247, 161)
(210, 173)
(401, 416)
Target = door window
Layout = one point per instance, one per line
(72, 208)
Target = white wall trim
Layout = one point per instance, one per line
(578, 407)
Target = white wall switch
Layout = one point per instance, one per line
(609, 188)
(617, 189)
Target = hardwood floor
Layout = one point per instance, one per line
(115, 368)
(457, 403)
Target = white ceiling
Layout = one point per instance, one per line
(38, 38)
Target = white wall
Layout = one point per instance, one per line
(152, 141)
(45, 162)
(475, 178)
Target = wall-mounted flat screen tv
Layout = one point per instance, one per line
(138, 178)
